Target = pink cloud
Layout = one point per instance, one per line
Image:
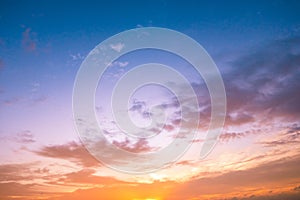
(28, 41)
(71, 151)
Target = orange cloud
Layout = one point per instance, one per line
(274, 180)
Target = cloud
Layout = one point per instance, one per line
(28, 40)
(185, 163)
(71, 151)
(260, 87)
(10, 189)
(1, 64)
(119, 64)
(265, 79)
(239, 118)
(269, 175)
(141, 146)
(77, 56)
(86, 176)
(290, 137)
(262, 182)
(289, 195)
(12, 101)
(36, 99)
(297, 188)
(168, 127)
(25, 137)
(15, 172)
(117, 47)
(140, 107)
(231, 135)
(137, 106)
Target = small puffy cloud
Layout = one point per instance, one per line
(122, 64)
(117, 47)
(77, 56)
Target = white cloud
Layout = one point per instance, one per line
(77, 56)
(119, 64)
(117, 47)
(122, 64)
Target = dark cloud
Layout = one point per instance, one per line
(266, 79)
(288, 195)
(71, 151)
(261, 87)
(297, 188)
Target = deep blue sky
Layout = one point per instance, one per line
(92, 19)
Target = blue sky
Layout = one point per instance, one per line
(255, 45)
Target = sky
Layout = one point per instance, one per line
(254, 44)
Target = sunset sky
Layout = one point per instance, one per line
(256, 47)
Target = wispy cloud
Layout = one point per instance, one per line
(25, 137)
(86, 176)
(139, 146)
(119, 64)
(71, 151)
(290, 137)
(1, 64)
(29, 40)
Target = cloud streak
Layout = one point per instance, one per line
(71, 151)
(28, 40)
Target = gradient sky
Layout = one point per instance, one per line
(256, 46)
